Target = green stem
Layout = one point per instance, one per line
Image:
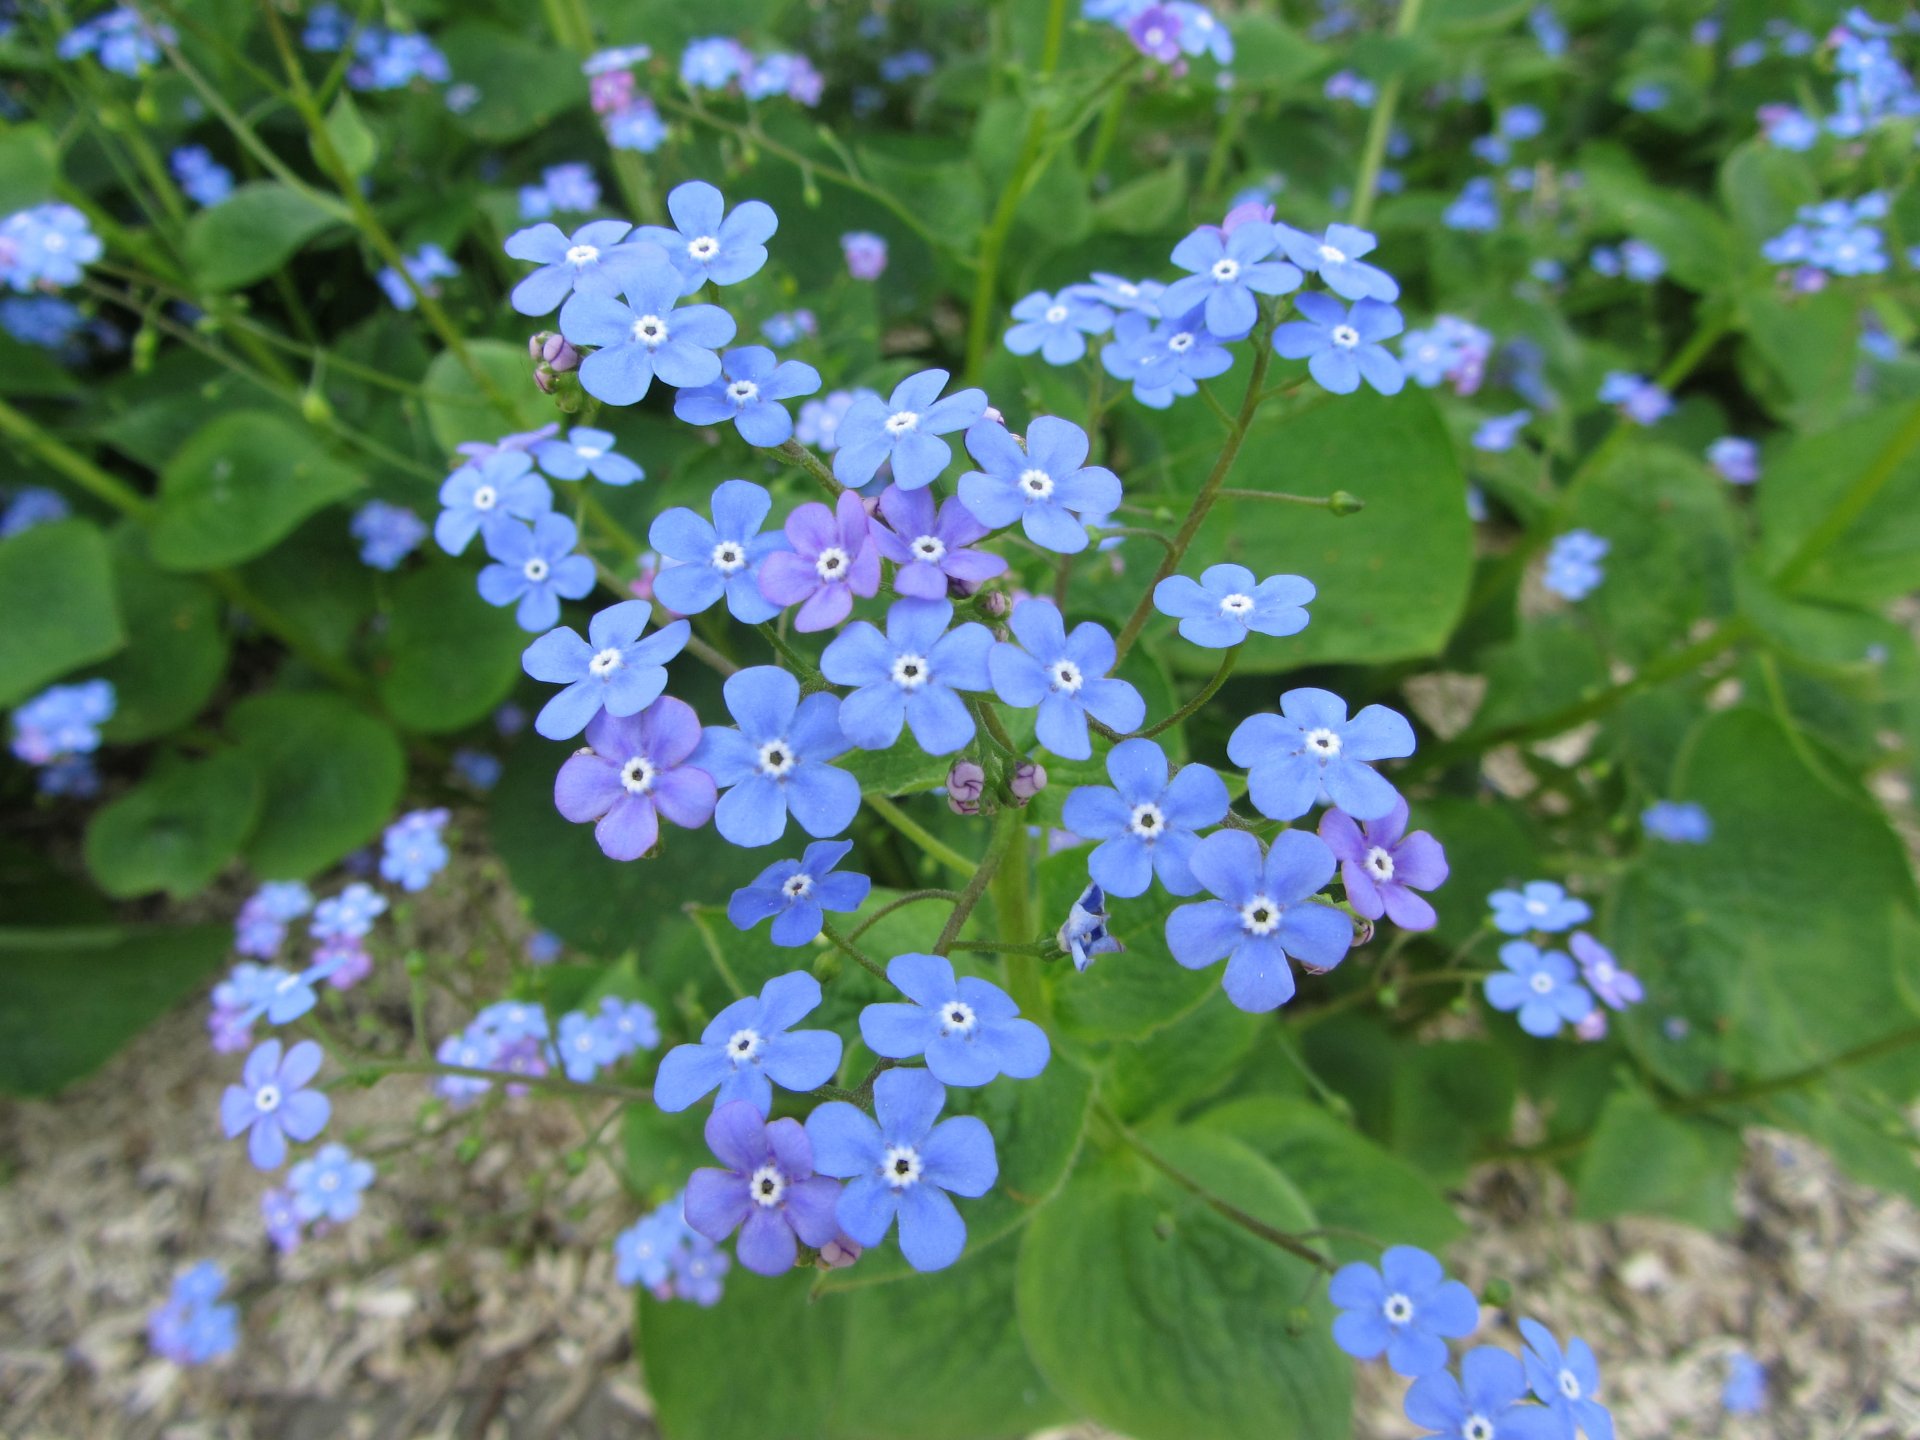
(1842, 515)
(379, 1070)
(912, 897)
(1227, 662)
(1341, 502)
(853, 951)
(711, 942)
(1005, 825)
(794, 453)
(1013, 900)
(930, 844)
(1380, 126)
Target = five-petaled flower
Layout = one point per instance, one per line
(968, 1029)
(831, 558)
(776, 760)
(1228, 271)
(1057, 326)
(768, 1192)
(931, 549)
(1540, 984)
(1381, 866)
(484, 496)
(328, 1184)
(749, 1047)
(1566, 1382)
(585, 452)
(1483, 1404)
(1407, 1308)
(905, 429)
(1065, 676)
(912, 674)
(634, 771)
(797, 892)
(612, 669)
(1226, 604)
(537, 568)
(645, 335)
(1048, 487)
(709, 243)
(597, 259)
(1335, 258)
(1311, 753)
(1343, 348)
(721, 558)
(748, 392)
(1147, 822)
(1539, 905)
(271, 1102)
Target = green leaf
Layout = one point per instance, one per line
(1878, 556)
(353, 139)
(239, 486)
(330, 777)
(459, 409)
(74, 994)
(448, 657)
(1449, 1099)
(1690, 234)
(1643, 1161)
(29, 167)
(1181, 1063)
(794, 1350)
(524, 85)
(1146, 204)
(316, 580)
(252, 233)
(176, 649)
(175, 830)
(1269, 54)
(56, 592)
(1155, 1315)
(1763, 187)
(903, 768)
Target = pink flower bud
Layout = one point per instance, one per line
(838, 1254)
(965, 783)
(1029, 779)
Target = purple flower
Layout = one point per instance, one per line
(634, 772)
(592, 262)
(1737, 461)
(866, 254)
(585, 1046)
(932, 552)
(612, 669)
(272, 1103)
(536, 568)
(968, 1029)
(412, 852)
(722, 558)
(1383, 866)
(748, 1048)
(1155, 32)
(910, 675)
(1341, 348)
(1228, 271)
(645, 336)
(1261, 914)
(1226, 604)
(1048, 487)
(1146, 823)
(327, 1185)
(387, 533)
(1065, 676)
(1537, 905)
(776, 760)
(1603, 975)
(489, 495)
(1057, 326)
(1568, 1383)
(1335, 258)
(279, 1220)
(1540, 985)
(905, 430)
(797, 892)
(903, 1165)
(832, 559)
(1407, 1308)
(1311, 753)
(710, 244)
(1483, 1402)
(587, 452)
(768, 1192)
(749, 393)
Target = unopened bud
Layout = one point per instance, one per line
(965, 783)
(994, 605)
(839, 1253)
(315, 408)
(1345, 502)
(1592, 1025)
(1029, 779)
(552, 355)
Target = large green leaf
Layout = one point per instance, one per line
(176, 647)
(523, 84)
(1690, 234)
(239, 486)
(1157, 1316)
(460, 408)
(1642, 1161)
(448, 656)
(29, 167)
(56, 594)
(253, 232)
(330, 776)
(177, 829)
(1877, 557)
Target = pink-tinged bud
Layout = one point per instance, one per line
(838, 1254)
(1593, 1026)
(552, 356)
(966, 782)
(642, 586)
(871, 504)
(995, 605)
(1247, 212)
(1029, 779)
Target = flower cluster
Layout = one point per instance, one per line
(45, 248)
(568, 188)
(204, 180)
(387, 533)
(1451, 351)
(513, 1037)
(1542, 984)
(383, 59)
(412, 850)
(1573, 569)
(192, 1327)
(662, 1252)
(59, 729)
(121, 39)
(424, 267)
(1836, 238)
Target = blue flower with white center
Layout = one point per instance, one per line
(796, 892)
(46, 246)
(776, 760)
(1056, 326)
(748, 393)
(426, 265)
(1498, 433)
(750, 1047)
(910, 675)
(585, 1046)
(1567, 1383)
(645, 335)
(1064, 676)
(536, 569)
(204, 180)
(1678, 822)
(902, 1165)
(631, 1023)
(1226, 604)
(1538, 905)
(328, 1185)
(613, 669)
(1476, 209)
(1228, 271)
(191, 1328)
(905, 430)
(1342, 348)
(348, 915)
(271, 1102)
(1407, 1309)
(969, 1030)
(1335, 258)
(1573, 569)
(1483, 1404)
(489, 495)
(1146, 823)
(387, 533)
(586, 452)
(1116, 292)
(1311, 753)
(643, 1252)
(1048, 487)
(1175, 354)
(1540, 984)
(1262, 912)
(413, 852)
(721, 558)
(708, 243)
(1084, 934)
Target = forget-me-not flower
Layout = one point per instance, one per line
(1225, 604)
(271, 1102)
(1381, 866)
(708, 243)
(718, 558)
(612, 669)
(748, 393)
(768, 1191)
(348, 915)
(1065, 676)
(1540, 984)
(931, 548)
(1735, 460)
(488, 495)
(905, 429)
(585, 452)
(1602, 973)
(536, 568)
(1311, 753)
(1407, 1309)
(1566, 1382)
(1343, 347)
(328, 1184)
(1537, 905)
(969, 1030)
(1056, 325)
(1146, 822)
(634, 771)
(829, 559)
(1483, 1404)
(776, 760)
(597, 259)
(1335, 258)
(796, 893)
(1678, 822)
(387, 534)
(645, 335)
(910, 675)
(749, 1047)
(1084, 934)
(1048, 487)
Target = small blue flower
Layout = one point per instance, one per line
(1498, 433)
(1116, 292)
(62, 721)
(643, 1252)
(328, 1184)
(645, 335)
(1538, 905)
(120, 38)
(710, 244)
(1678, 822)
(776, 760)
(903, 1165)
(1263, 912)
(1745, 1392)
(1573, 569)
(387, 533)
(585, 1046)
(905, 430)
(796, 892)
(488, 495)
(1406, 1309)
(1335, 258)
(1568, 1383)
(1483, 1404)
(537, 569)
(612, 669)
(413, 851)
(1311, 753)
(1146, 823)
(749, 1047)
(1048, 487)
(32, 505)
(1540, 984)
(1084, 934)
(348, 915)
(1228, 271)
(968, 1029)
(749, 393)
(1065, 676)
(191, 1328)
(910, 675)
(46, 247)
(204, 180)
(1737, 461)
(1341, 348)
(271, 1102)
(1477, 208)
(1173, 355)
(587, 452)
(426, 265)
(1057, 326)
(1225, 605)
(722, 558)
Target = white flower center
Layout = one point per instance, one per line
(1602, 972)
(901, 421)
(1569, 1385)
(267, 1098)
(901, 1166)
(589, 452)
(1127, 290)
(1156, 36)
(703, 248)
(1226, 270)
(1478, 1427)
(536, 570)
(728, 557)
(1379, 864)
(1181, 343)
(767, 1187)
(1148, 821)
(797, 887)
(54, 241)
(1236, 605)
(910, 672)
(1398, 1309)
(485, 498)
(832, 563)
(328, 1181)
(1036, 484)
(1332, 255)
(650, 331)
(1345, 336)
(930, 548)
(1323, 742)
(1540, 982)
(637, 775)
(606, 662)
(776, 759)
(583, 1042)
(1065, 676)
(743, 1045)
(580, 255)
(957, 1018)
(1537, 907)
(1056, 314)
(743, 392)
(1260, 916)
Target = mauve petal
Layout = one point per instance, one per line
(717, 1200)
(811, 1204)
(766, 1245)
(737, 1135)
(629, 829)
(685, 796)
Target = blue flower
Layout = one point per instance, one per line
(1084, 934)
(1065, 676)
(327, 1185)
(587, 452)
(536, 568)
(1539, 984)
(1407, 1309)
(1497, 433)
(1262, 913)
(387, 533)
(348, 915)
(1678, 822)
(592, 261)
(1057, 326)
(630, 1023)
(1568, 1384)
(905, 429)
(1173, 355)
(722, 558)
(1477, 207)
(796, 892)
(776, 760)
(710, 244)
(1573, 569)
(1116, 292)
(932, 549)
(1745, 1392)
(645, 336)
(413, 851)
(1335, 257)
(768, 1191)
(903, 1165)
(46, 246)
(909, 675)
(1146, 822)
(62, 721)
(271, 1102)
(585, 1046)
(487, 496)
(612, 669)
(1483, 1404)
(426, 265)
(1225, 604)
(191, 1328)
(31, 505)
(1311, 753)
(1735, 460)
(120, 38)
(749, 1047)
(1048, 487)
(969, 1030)
(1537, 905)
(749, 394)
(205, 180)
(643, 1252)
(711, 62)
(1343, 348)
